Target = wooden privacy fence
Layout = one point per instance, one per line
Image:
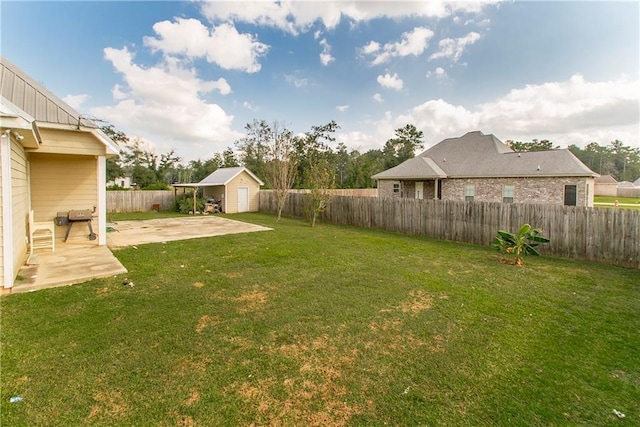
(605, 235)
(139, 200)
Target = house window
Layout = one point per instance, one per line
(396, 188)
(468, 193)
(570, 195)
(507, 193)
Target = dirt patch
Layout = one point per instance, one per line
(194, 397)
(252, 301)
(233, 275)
(419, 301)
(189, 365)
(198, 284)
(207, 321)
(108, 404)
(314, 397)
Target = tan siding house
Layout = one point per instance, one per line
(52, 160)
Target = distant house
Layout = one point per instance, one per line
(51, 160)
(122, 181)
(606, 185)
(236, 188)
(478, 167)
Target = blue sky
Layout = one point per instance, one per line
(191, 75)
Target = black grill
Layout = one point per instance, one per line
(73, 216)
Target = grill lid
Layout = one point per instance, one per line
(80, 215)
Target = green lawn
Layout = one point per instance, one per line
(326, 326)
(628, 202)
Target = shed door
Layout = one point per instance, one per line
(570, 195)
(243, 199)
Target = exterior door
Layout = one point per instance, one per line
(243, 199)
(420, 190)
(570, 195)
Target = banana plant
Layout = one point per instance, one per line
(516, 246)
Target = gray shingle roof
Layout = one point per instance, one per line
(418, 167)
(34, 99)
(605, 179)
(475, 155)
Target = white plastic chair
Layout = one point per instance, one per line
(42, 235)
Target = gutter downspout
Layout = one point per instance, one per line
(7, 211)
(102, 200)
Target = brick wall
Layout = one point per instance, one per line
(526, 190)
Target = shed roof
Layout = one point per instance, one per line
(221, 176)
(476, 155)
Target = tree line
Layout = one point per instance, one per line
(345, 168)
(267, 148)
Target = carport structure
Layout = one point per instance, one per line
(237, 188)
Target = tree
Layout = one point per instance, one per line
(321, 179)
(615, 159)
(114, 168)
(281, 167)
(312, 147)
(401, 148)
(534, 145)
(253, 147)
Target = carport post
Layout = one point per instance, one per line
(194, 199)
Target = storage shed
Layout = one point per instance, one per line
(236, 188)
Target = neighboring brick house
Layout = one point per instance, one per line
(478, 167)
(606, 185)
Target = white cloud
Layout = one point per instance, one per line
(222, 45)
(165, 103)
(296, 81)
(342, 108)
(76, 101)
(454, 48)
(249, 106)
(299, 16)
(325, 56)
(371, 48)
(570, 112)
(377, 97)
(391, 82)
(413, 43)
(438, 73)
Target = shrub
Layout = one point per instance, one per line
(184, 203)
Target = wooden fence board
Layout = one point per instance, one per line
(605, 235)
(139, 201)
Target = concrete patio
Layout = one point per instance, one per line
(77, 262)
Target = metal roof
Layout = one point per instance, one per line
(475, 155)
(221, 176)
(33, 98)
(30, 101)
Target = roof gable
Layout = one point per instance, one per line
(476, 155)
(19, 92)
(33, 98)
(223, 176)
